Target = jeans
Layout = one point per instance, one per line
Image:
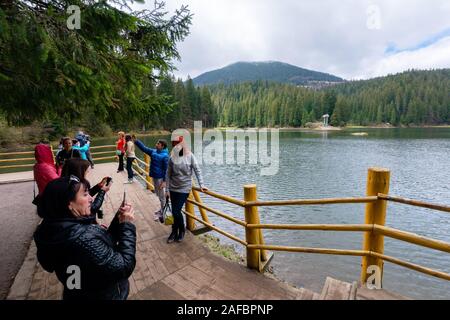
(89, 158)
(161, 193)
(178, 200)
(130, 168)
(120, 163)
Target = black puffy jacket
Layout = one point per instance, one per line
(106, 258)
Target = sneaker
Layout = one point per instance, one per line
(180, 236)
(172, 237)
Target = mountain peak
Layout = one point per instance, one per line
(276, 71)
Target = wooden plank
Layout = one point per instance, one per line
(186, 290)
(201, 230)
(305, 294)
(158, 291)
(336, 290)
(363, 293)
(316, 296)
(242, 280)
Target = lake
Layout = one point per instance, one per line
(335, 164)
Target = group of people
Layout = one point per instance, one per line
(70, 235)
(171, 174)
(74, 148)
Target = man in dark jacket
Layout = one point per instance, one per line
(68, 240)
(158, 168)
(67, 152)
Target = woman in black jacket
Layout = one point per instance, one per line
(68, 237)
(80, 168)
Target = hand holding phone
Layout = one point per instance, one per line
(126, 211)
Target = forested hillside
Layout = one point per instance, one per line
(413, 97)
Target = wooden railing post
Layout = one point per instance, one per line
(189, 207)
(377, 182)
(199, 200)
(147, 171)
(252, 235)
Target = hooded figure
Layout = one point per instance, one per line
(44, 170)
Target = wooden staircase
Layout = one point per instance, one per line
(340, 290)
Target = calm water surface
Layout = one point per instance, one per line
(334, 164)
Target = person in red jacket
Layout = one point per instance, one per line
(44, 170)
(120, 149)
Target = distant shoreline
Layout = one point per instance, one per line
(331, 128)
(317, 128)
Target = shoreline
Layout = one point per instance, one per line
(330, 128)
(228, 252)
(17, 147)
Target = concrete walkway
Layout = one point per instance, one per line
(16, 177)
(18, 220)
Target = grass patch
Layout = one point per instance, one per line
(226, 251)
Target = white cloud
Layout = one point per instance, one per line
(434, 56)
(324, 35)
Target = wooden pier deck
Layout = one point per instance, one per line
(186, 270)
(176, 271)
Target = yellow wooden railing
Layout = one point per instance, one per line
(374, 229)
(6, 157)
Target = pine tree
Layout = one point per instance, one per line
(48, 71)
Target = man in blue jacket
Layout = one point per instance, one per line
(158, 168)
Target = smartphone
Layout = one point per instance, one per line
(108, 181)
(124, 201)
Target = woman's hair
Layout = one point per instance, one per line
(128, 137)
(76, 167)
(63, 140)
(57, 196)
(163, 142)
(121, 133)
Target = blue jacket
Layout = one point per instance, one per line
(160, 159)
(82, 150)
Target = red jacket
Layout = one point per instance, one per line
(44, 170)
(120, 145)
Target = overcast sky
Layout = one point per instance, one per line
(352, 39)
